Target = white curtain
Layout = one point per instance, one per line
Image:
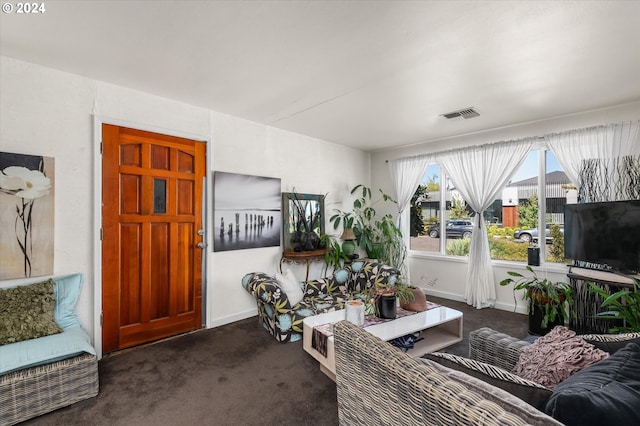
(479, 174)
(406, 174)
(593, 156)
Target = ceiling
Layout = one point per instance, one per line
(366, 74)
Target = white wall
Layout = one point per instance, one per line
(52, 113)
(446, 277)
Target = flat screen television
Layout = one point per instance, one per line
(605, 234)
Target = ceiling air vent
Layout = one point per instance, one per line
(465, 113)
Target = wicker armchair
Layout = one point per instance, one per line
(379, 384)
(495, 348)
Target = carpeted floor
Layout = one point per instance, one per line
(236, 374)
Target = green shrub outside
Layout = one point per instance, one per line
(459, 247)
(503, 246)
(556, 251)
(495, 231)
(508, 250)
(431, 220)
(500, 249)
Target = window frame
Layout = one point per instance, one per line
(542, 208)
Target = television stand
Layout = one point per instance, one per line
(586, 303)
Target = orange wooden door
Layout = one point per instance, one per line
(152, 214)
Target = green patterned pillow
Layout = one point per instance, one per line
(26, 312)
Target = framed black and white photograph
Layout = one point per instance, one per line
(247, 211)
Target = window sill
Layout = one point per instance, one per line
(437, 256)
(559, 268)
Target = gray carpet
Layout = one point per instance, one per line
(236, 374)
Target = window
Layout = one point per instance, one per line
(512, 220)
(427, 209)
(425, 213)
(558, 192)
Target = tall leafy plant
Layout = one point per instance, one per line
(334, 257)
(548, 295)
(376, 234)
(621, 305)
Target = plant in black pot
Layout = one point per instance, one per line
(385, 296)
(547, 300)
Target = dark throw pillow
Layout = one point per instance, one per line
(26, 312)
(607, 392)
(528, 391)
(611, 343)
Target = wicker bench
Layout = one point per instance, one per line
(34, 391)
(42, 374)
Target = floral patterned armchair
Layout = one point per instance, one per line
(284, 322)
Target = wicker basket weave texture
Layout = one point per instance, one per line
(34, 391)
(495, 348)
(379, 385)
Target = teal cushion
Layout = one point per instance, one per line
(67, 291)
(44, 350)
(357, 266)
(341, 276)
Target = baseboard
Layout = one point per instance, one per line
(233, 318)
(460, 298)
(509, 307)
(444, 295)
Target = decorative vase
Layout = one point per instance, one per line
(386, 306)
(348, 247)
(309, 241)
(419, 302)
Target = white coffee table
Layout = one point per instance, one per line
(440, 327)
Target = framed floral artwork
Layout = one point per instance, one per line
(26, 215)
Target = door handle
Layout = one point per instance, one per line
(201, 245)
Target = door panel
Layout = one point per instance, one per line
(152, 211)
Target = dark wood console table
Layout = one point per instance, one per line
(303, 257)
(586, 303)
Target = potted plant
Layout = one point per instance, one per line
(385, 297)
(334, 256)
(307, 215)
(377, 235)
(623, 306)
(546, 300)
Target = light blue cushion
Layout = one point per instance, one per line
(341, 276)
(66, 292)
(43, 350)
(357, 266)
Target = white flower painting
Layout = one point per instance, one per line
(26, 215)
